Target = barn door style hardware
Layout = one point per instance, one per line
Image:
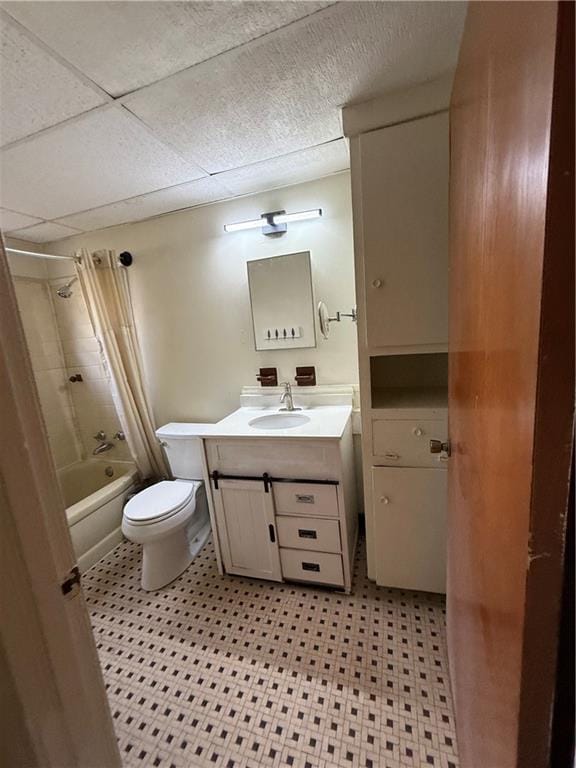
(268, 481)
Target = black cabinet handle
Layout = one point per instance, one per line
(311, 567)
(307, 534)
(272, 534)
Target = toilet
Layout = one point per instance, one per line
(170, 519)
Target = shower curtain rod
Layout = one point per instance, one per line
(125, 258)
(37, 255)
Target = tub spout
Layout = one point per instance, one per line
(102, 448)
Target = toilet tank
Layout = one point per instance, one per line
(183, 448)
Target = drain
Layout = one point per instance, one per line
(109, 472)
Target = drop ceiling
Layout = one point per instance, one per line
(112, 112)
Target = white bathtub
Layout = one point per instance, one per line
(95, 492)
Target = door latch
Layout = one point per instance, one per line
(71, 584)
(439, 446)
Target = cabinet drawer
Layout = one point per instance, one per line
(306, 499)
(312, 534)
(406, 443)
(318, 567)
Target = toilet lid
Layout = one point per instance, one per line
(159, 501)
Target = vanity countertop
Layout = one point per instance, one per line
(322, 422)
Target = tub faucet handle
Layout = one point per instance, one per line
(100, 435)
(119, 435)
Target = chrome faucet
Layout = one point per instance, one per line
(103, 445)
(102, 448)
(287, 397)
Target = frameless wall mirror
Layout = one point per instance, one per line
(282, 301)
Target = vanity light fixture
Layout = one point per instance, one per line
(273, 223)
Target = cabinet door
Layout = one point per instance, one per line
(247, 531)
(410, 527)
(404, 189)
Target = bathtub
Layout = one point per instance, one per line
(95, 492)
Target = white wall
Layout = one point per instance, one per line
(190, 293)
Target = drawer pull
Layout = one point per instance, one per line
(303, 533)
(311, 567)
(271, 533)
(305, 498)
(393, 456)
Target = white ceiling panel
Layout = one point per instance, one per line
(146, 41)
(205, 190)
(10, 220)
(295, 168)
(44, 233)
(282, 92)
(36, 90)
(103, 157)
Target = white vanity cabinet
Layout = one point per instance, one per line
(284, 508)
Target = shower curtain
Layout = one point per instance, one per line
(107, 293)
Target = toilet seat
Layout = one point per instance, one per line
(159, 502)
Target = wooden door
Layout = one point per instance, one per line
(404, 203)
(410, 527)
(52, 695)
(511, 378)
(247, 529)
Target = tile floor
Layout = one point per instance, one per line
(232, 672)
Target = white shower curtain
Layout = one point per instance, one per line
(107, 293)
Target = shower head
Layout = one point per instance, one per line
(65, 291)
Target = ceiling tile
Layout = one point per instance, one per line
(44, 233)
(36, 90)
(295, 168)
(163, 201)
(10, 220)
(102, 157)
(282, 92)
(151, 40)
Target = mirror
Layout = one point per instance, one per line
(282, 301)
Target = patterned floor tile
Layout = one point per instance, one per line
(234, 673)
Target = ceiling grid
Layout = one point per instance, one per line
(114, 112)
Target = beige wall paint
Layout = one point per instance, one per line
(190, 292)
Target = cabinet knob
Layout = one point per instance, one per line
(384, 500)
(377, 283)
(417, 431)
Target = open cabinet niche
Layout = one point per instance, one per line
(409, 381)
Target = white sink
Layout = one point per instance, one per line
(279, 421)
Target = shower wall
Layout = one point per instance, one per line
(45, 347)
(62, 344)
(92, 397)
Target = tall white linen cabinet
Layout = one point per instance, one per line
(399, 166)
